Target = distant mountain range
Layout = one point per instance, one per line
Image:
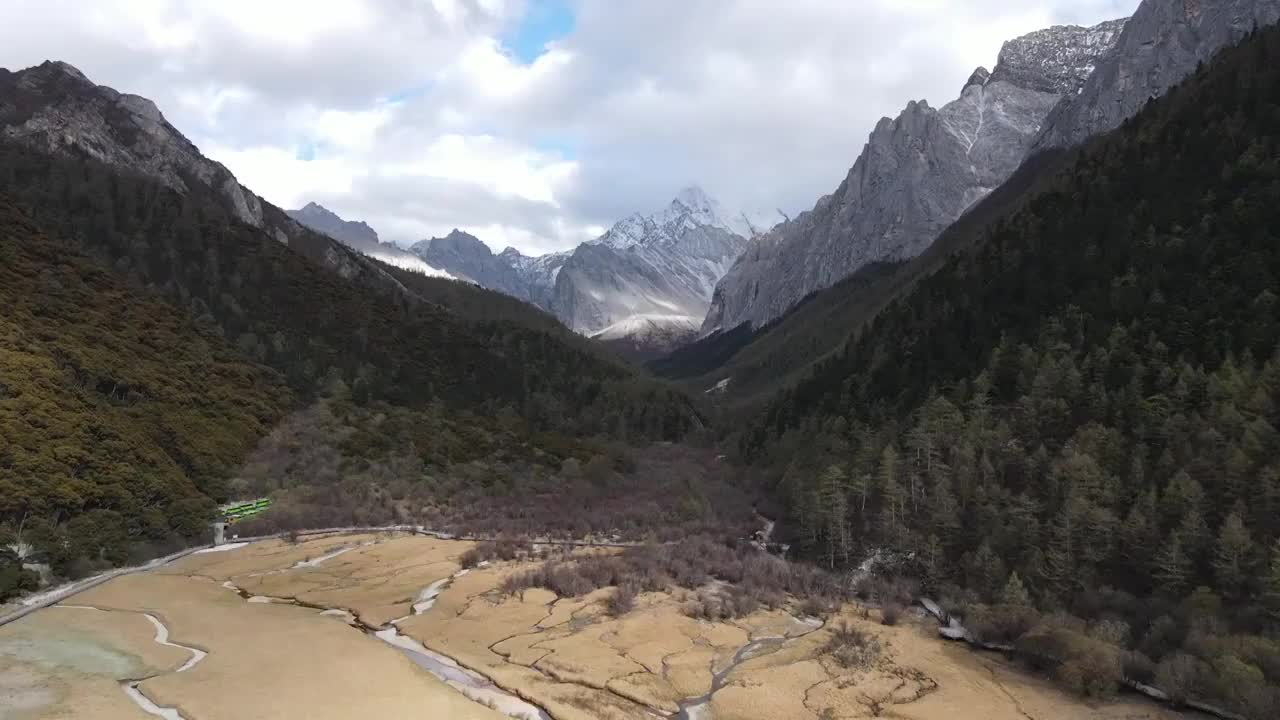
(649, 277)
(359, 236)
(643, 286)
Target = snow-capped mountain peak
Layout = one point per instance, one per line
(691, 208)
(649, 277)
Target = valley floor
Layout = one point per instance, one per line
(293, 630)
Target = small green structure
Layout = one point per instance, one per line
(239, 511)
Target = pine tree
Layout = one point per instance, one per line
(1014, 593)
(833, 506)
(890, 494)
(1230, 561)
(1271, 583)
(985, 570)
(944, 513)
(1172, 567)
(1195, 537)
(1059, 556)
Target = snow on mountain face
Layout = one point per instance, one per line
(656, 268)
(1057, 59)
(641, 325)
(1161, 45)
(915, 176)
(692, 208)
(359, 236)
(406, 261)
(644, 337)
(531, 279)
(660, 265)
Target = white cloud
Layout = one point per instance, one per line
(418, 120)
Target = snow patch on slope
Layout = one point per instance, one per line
(642, 324)
(408, 262)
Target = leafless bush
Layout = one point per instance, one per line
(890, 613)
(852, 647)
(1081, 663)
(1000, 624)
(622, 600)
(814, 606)
(1137, 666)
(488, 552)
(1178, 675)
(751, 578)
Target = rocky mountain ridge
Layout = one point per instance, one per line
(1164, 42)
(55, 108)
(916, 174)
(648, 270)
(357, 235)
(463, 255)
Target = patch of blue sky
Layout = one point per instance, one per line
(565, 147)
(409, 93)
(306, 151)
(543, 22)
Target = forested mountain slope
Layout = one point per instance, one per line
(118, 412)
(745, 367)
(1087, 397)
(313, 323)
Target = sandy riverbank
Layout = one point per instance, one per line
(568, 656)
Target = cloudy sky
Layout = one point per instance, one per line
(532, 123)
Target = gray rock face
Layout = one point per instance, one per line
(353, 234)
(1056, 59)
(357, 235)
(647, 281)
(1161, 45)
(55, 108)
(662, 266)
(915, 176)
(643, 338)
(462, 255)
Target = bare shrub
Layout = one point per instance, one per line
(506, 550)
(1137, 666)
(814, 606)
(488, 552)
(890, 613)
(1000, 624)
(471, 558)
(706, 606)
(1081, 663)
(1177, 675)
(852, 647)
(622, 601)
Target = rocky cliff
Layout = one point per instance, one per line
(54, 108)
(648, 277)
(1161, 45)
(662, 266)
(916, 175)
(357, 235)
(464, 256)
